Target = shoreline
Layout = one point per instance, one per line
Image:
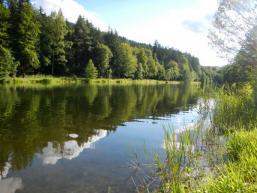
(59, 81)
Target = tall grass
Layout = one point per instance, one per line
(176, 170)
(235, 109)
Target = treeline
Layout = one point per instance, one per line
(32, 42)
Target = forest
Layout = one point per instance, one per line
(33, 43)
(214, 152)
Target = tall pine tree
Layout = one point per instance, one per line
(82, 44)
(46, 41)
(58, 33)
(7, 65)
(25, 35)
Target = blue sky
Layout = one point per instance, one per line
(122, 12)
(182, 24)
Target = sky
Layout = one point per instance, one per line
(181, 24)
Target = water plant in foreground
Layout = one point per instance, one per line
(175, 171)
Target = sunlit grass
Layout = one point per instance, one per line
(176, 169)
(41, 80)
(240, 173)
(51, 80)
(129, 82)
(235, 109)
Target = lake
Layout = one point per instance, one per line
(81, 139)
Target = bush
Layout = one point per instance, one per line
(91, 71)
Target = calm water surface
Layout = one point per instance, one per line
(81, 139)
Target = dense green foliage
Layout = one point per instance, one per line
(7, 65)
(35, 43)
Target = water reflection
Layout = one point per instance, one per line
(71, 149)
(52, 124)
(10, 185)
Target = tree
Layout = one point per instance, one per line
(103, 57)
(233, 20)
(128, 61)
(7, 64)
(142, 68)
(58, 33)
(25, 40)
(82, 44)
(172, 73)
(185, 70)
(161, 72)
(109, 73)
(46, 43)
(91, 71)
(234, 34)
(151, 65)
(4, 25)
(140, 72)
(111, 39)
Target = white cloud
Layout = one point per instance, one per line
(172, 29)
(71, 10)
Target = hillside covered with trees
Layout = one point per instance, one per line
(32, 42)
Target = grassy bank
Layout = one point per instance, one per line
(234, 119)
(50, 80)
(40, 80)
(235, 116)
(239, 174)
(129, 82)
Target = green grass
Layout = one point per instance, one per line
(240, 173)
(235, 109)
(50, 80)
(41, 80)
(129, 82)
(176, 168)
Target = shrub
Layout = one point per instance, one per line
(91, 71)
